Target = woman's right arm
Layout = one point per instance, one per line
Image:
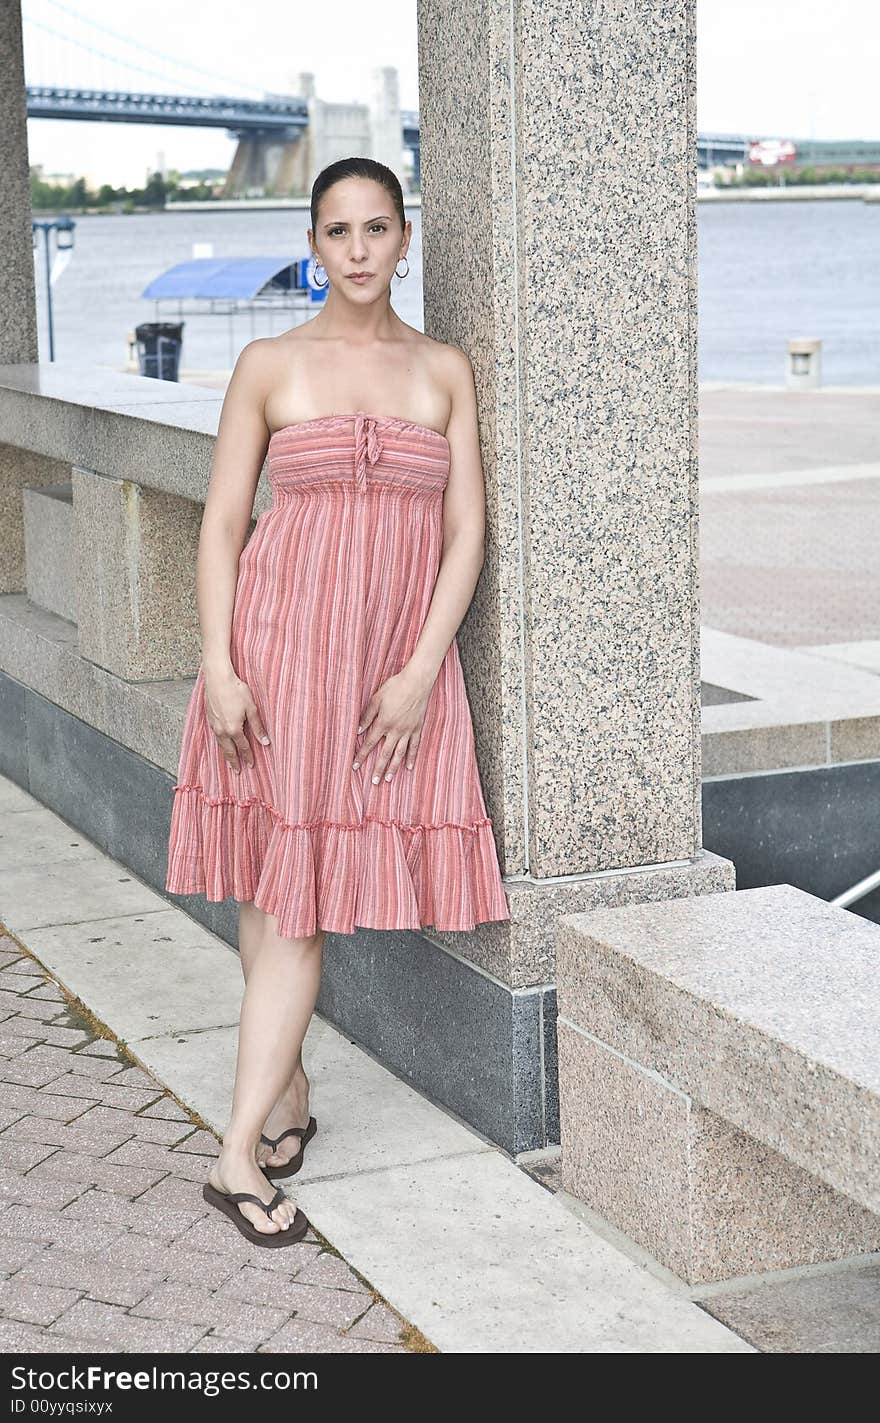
(239, 453)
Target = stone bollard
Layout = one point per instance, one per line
(804, 370)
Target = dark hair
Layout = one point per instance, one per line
(356, 168)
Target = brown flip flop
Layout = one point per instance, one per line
(224, 1201)
(289, 1168)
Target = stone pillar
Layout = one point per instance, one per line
(558, 221)
(559, 247)
(385, 124)
(18, 312)
(18, 315)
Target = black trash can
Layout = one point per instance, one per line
(158, 347)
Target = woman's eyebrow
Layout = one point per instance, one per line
(341, 223)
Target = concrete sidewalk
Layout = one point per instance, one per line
(425, 1236)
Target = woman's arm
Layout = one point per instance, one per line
(464, 528)
(239, 454)
(396, 710)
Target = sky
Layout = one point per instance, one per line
(768, 68)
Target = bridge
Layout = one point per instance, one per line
(277, 118)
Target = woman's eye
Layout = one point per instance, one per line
(374, 227)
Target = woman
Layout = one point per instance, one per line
(327, 772)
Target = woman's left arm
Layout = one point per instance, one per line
(397, 708)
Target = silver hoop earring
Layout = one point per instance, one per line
(315, 278)
(401, 275)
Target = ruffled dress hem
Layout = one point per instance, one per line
(309, 876)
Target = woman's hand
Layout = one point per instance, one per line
(397, 712)
(228, 706)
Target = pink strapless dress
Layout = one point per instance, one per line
(333, 589)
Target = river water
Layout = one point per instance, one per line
(766, 272)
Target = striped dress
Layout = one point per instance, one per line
(333, 589)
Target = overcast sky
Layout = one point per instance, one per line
(768, 68)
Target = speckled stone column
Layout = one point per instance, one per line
(558, 151)
(18, 317)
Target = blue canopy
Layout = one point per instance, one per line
(224, 277)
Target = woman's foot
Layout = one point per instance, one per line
(235, 1171)
(291, 1110)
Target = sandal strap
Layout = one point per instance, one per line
(291, 1131)
(246, 1196)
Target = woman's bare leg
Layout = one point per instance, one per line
(292, 1107)
(279, 997)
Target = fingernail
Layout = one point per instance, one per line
(355, 766)
(388, 777)
(375, 780)
(265, 740)
(359, 730)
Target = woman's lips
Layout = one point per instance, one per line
(368, 277)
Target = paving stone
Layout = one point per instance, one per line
(34, 1303)
(151, 1154)
(22, 1223)
(17, 1026)
(81, 1135)
(15, 980)
(91, 1274)
(15, 1253)
(161, 1224)
(337, 1307)
(34, 1189)
(254, 1286)
(136, 1252)
(43, 1104)
(59, 1036)
(137, 1077)
(148, 1129)
(221, 1344)
(174, 1193)
(29, 1007)
(18, 1338)
(278, 1262)
(49, 991)
(28, 1069)
(329, 1270)
(22, 1155)
(202, 1143)
(75, 1084)
(194, 1306)
(113, 1325)
(304, 1336)
(102, 1047)
(97, 1171)
(379, 1323)
(167, 1107)
(215, 1234)
(13, 1044)
(97, 1067)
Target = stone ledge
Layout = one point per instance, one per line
(156, 433)
(761, 1005)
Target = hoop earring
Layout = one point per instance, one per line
(315, 279)
(401, 275)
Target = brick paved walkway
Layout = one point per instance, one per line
(105, 1242)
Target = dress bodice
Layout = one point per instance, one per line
(359, 452)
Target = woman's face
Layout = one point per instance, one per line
(359, 231)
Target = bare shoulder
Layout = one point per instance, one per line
(254, 364)
(451, 371)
